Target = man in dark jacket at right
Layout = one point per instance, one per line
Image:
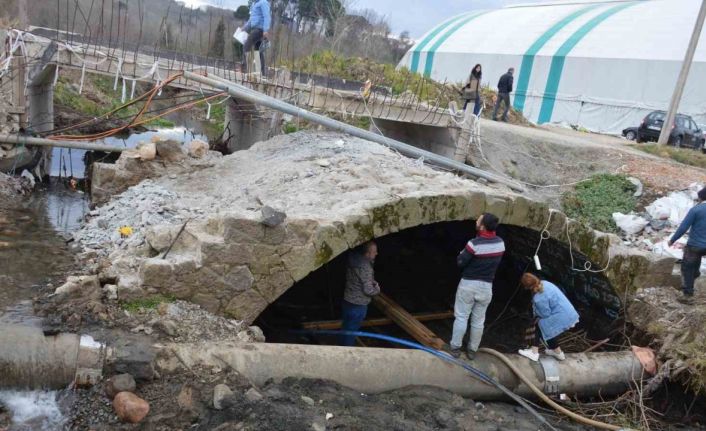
(695, 224)
(504, 90)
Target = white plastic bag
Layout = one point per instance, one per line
(672, 207)
(240, 35)
(629, 223)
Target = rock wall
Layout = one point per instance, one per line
(337, 192)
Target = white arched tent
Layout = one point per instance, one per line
(602, 65)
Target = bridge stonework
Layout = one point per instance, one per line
(231, 263)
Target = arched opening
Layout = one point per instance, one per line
(416, 267)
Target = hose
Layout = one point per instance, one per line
(545, 398)
(444, 356)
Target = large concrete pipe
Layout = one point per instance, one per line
(30, 360)
(374, 370)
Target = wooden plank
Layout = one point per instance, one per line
(382, 321)
(407, 322)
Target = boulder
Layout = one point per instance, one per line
(170, 150)
(130, 408)
(271, 217)
(119, 383)
(253, 395)
(198, 149)
(220, 393)
(146, 150)
(84, 286)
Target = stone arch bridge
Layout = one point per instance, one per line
(338, 192)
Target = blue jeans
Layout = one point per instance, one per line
(353, 316)
(690, 267)
(476, 106)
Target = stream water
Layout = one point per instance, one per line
(34, 254)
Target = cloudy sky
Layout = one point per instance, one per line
(416, 16)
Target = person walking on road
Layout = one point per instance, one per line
(504, 90)
(471, 92)
(258, 28)
(554, 313)
(695, 223)
(360, 288)
(478, 261)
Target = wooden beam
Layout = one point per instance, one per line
(407, 322)
(381, 321)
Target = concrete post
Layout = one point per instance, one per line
(244, 125)
(40, 100)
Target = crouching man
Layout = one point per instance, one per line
(360, 288)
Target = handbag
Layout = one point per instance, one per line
(469, 94)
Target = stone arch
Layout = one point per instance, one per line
(238, 266)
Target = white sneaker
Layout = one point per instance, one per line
(529, 354)
(559, 356)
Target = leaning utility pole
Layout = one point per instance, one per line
(681, 82)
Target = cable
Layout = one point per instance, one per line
(545, 398)
(445, 357)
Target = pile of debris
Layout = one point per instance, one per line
(651, 229)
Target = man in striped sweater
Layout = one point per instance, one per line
(478, 261)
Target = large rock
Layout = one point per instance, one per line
(170, 150)
(220, 393)
(198, 149)
(85, 287)
(119, 383)
(130, 408)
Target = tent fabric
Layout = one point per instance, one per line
(601, 65)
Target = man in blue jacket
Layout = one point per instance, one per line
(258, 28)
(695, 223)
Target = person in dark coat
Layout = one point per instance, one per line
(360, 289)
(471, 92)
(504, 90)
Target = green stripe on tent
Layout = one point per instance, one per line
(528, 58)
(557, 67)
(417, 50)
(443, 38)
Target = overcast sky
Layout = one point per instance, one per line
(416, 16)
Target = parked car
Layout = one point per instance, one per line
(685, 132)
(630, 133)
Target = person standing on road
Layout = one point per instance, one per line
(258, 28)
(360, 288)
(695, 223)
(504, 90)
(471, 92)
(554, 313)
(478, 261)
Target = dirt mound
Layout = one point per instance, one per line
(676, 332)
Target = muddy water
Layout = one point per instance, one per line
(71, 163)
(33, 253)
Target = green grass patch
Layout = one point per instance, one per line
(682, 155)
(66, 96)
(290, 127)
(593, 202)
(149, 303)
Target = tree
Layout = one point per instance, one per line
(219, 40)
(242, 13)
